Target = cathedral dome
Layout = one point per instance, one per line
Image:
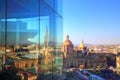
(82, 45)
(67, 42)
(67, 47)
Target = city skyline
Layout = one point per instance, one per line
(95, 22)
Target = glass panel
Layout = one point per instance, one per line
(51, 3)
(2, 34)
(59, 40)
(51, 39)
(31, 37)
(23, 31)
(58, 7)
(55, 5)
(47, 41)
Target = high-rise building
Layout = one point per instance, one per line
(22, 27)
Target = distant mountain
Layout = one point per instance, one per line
(87, 44)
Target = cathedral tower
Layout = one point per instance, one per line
(67, 47)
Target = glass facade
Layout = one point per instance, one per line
(31, 37)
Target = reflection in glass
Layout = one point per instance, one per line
(31, 38)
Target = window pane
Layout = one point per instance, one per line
(31, 37)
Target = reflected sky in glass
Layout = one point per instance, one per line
(31, 27)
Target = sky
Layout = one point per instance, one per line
(94, 21)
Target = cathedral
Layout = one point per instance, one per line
(78, 57)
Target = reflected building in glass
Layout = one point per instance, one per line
(31, 36)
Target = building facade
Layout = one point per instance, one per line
(80, 57)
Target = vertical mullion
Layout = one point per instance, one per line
(6, 26)
(39, 32)
(5, 45)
